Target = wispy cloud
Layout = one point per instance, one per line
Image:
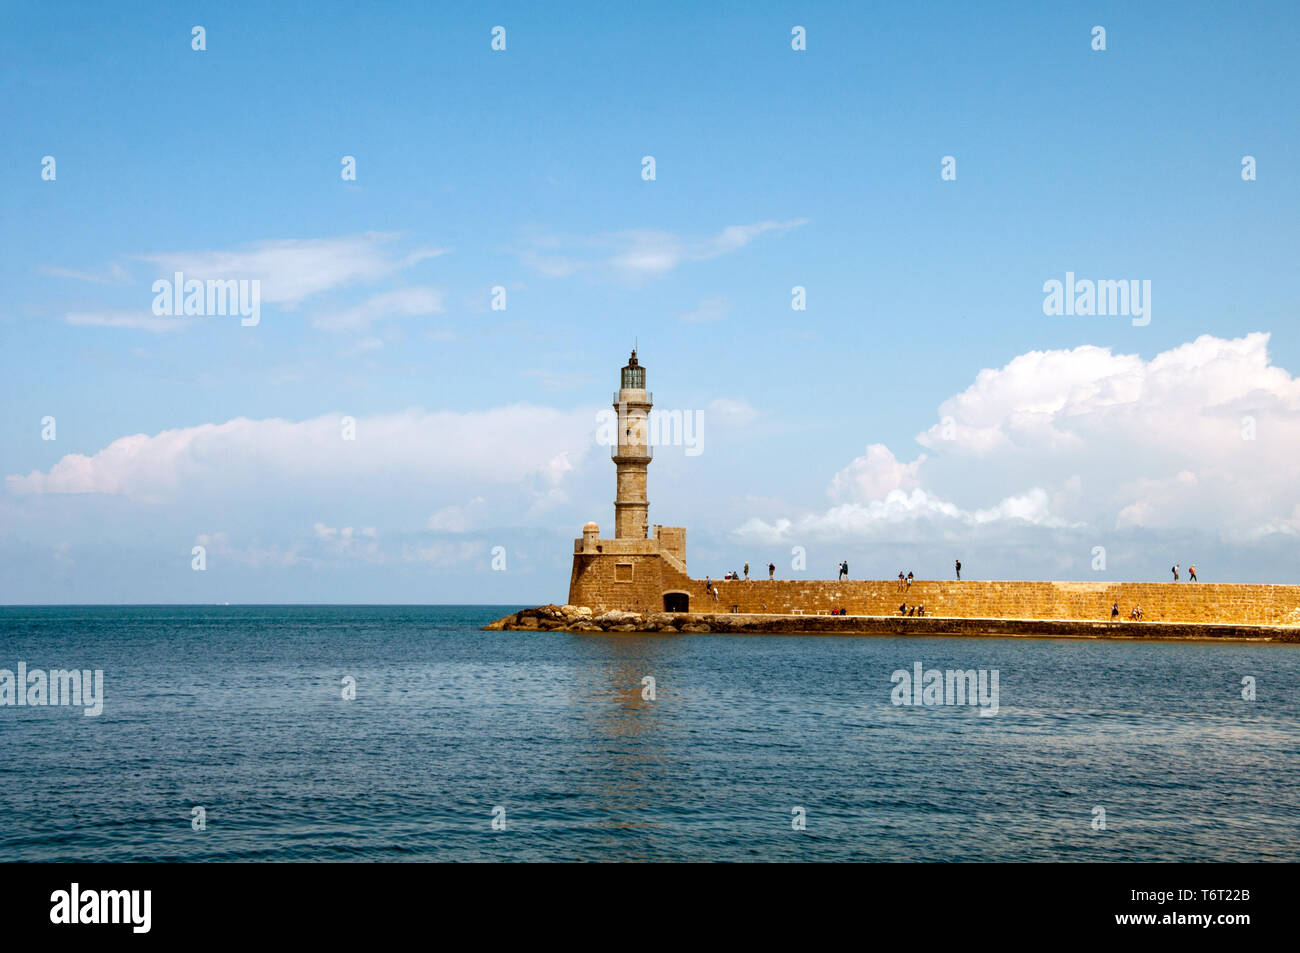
(710, 309)
(114, 274)
(637, 255)
(294, 269)
(139, 320)
(403, 302)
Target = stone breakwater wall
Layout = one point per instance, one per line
(583, 619)
(975, 599)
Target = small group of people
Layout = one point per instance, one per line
(844, 571)
(840, 611)
(1191, 571)
(904, 609)
(732, 575)
(904, 582)
(1135, 613)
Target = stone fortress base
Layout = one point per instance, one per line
(648, 585)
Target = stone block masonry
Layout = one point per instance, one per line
(595, 585)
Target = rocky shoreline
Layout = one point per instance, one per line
(582, 619)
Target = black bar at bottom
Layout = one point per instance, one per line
(962, 903)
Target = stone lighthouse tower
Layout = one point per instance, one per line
(632, 453)
(632, 570)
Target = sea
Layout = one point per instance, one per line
(406, 733)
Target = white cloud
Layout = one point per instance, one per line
(293, 269)
(731, 412)
(400, 303)
(708, 310)
(509, 446)
(114, 274)
(636, 255)
(874, 475)
(459, 519)
(255, 555)
(899, 509)
(346, 533)
(363, 346)
(444, 553)
(1088, 438)
(138, 320)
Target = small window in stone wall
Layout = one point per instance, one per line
(622, 572)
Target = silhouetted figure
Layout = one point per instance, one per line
(957, 565)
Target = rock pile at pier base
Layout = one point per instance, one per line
(582, 619)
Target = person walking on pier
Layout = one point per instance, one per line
(909, 580)
(1174, 569)
(957, 565)
(746, 570)
(1114, 611)
(901, 585)
(1191, 573)
(771, 571)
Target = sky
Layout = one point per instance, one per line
(414, 417)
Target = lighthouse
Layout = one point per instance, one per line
(635, 569)
(632, 452)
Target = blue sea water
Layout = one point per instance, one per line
(240, 710)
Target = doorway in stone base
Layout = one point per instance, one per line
(677, 602)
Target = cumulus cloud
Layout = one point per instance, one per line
(874, 475)
(1199, 437)
(509, 446)
(899, 510)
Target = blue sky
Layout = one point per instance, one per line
(522, 169)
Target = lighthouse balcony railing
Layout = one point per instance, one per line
(633, 451)
(649, 397)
